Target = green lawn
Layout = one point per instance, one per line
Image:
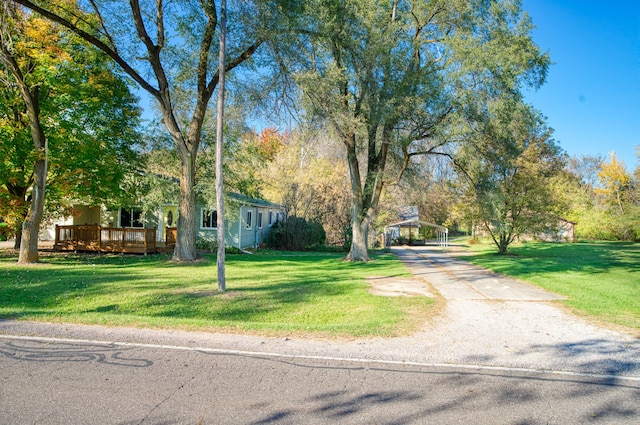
(273, 293)
(601, 280)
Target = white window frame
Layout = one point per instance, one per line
(249, 219)
(131, 215)
(270, 220)
(260, 217)
(213, 214)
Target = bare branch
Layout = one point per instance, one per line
(160, 23)
(246, 54)
(106, 33)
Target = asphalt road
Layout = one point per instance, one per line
(56, 381)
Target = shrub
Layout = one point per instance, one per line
(203, 244)
(207, 245)
(296, 234)
(5, 231)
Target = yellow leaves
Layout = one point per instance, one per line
(614, 181)
(614, 173)
(39, 40)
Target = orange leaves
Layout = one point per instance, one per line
(270, 142)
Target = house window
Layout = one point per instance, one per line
(270, 220)
(131, 217)
(249, 219)
(278, 217)
(259, 224)
(209, 219)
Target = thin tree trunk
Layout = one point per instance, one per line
(31, 224)
(222, 284)
(18, 229)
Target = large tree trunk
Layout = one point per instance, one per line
(185, 249)
(359, 244)
(31, 98)
(365, 197)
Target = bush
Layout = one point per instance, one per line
(607, 226)
(5, 231)
(207, 245)
(296, 234)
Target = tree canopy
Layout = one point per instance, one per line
(507, 171)
(169, 49)
(85, 117)
(388, 78)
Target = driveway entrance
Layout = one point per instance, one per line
(460, 280)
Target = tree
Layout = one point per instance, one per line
(176, 41)
(86, 112)
(602, 198)
(507, 173)
(615, 182)
(10, 53)
(307, 174)
(388, 76)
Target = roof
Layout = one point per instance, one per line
(415, 223)
(247, 200)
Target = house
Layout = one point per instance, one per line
(248, 222)
(563, 232)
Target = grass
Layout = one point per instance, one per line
(268, 293)
(601, 280)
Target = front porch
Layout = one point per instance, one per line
(94, 238)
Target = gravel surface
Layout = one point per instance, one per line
(495, 333)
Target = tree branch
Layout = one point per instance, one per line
(112, 53)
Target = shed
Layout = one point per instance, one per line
(392, 231)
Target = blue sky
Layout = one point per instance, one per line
(592, 95)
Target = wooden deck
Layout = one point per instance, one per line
(112, 239)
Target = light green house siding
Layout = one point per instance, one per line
(246, 222)
(246, 225)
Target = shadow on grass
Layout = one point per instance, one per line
(266, 289)
(547, 257)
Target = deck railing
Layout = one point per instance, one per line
(172, 235)
(106, 239)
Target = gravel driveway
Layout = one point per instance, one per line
(499, 323)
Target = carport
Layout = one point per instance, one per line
(442, 232)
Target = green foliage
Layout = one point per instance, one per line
(207, 245)
(606, 225)
(268, 292)
(389, 78)
(602, 197)
(87, 113)
(296, 234)
(507, 171)
(5, 231)
(307, 176)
